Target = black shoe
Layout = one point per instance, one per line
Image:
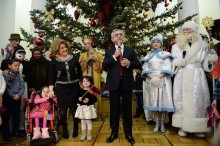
(75, 133)
(65, 134)
(111, 138)
(136, 116)
(7, 139)
(130, 139)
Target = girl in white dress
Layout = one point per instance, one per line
(85, 110)
(157, 87)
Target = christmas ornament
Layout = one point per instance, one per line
(147, 9)
(133, 19)
(106, 7)
(100, 16)
(94, 45)
(52, 56)
(49, 16)
(92, 23)
(35, 25)
(38, 42)
(145, 14)
(40, 35)
(166, 4)
(63, 26)
(76, 15)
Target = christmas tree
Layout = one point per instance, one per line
(97, 18)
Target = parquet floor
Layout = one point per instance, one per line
(142, 133)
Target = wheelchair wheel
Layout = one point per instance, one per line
(55, 138)
(28, 140)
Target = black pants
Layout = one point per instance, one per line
(63, 116)
(126, 108)
(13, 109)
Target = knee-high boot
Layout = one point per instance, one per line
(162, 121)
(75, 127)
(157, 126)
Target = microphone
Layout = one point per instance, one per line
(184, 54)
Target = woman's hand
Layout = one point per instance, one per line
(80, 98)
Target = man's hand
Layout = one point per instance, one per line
(125, 62)
(80, 98)
(117, 52)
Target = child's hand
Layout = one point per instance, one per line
(214, 103)
(16, 97)
(86, 100)
(5, 73)
(80, 98)
(51, 93)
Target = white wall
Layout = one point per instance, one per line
(209, 8)
(14, 14)
(7, 20)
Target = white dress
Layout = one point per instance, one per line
(190, 89)
(157, 99)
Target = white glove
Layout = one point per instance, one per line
(180, 62)
(155, 81)
(213, 57)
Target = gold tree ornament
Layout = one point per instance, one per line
(49, 15)
(208, 22)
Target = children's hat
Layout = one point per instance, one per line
(158, 38)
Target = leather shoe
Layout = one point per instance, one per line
(130, 139)
(111, 138)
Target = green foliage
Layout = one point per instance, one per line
(101, 17)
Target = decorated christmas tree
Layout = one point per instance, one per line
(97, 18)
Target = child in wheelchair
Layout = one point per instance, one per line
(40, 106)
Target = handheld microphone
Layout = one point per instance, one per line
(184, 54)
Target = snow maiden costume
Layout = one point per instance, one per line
(158, 98)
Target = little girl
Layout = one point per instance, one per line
(157, 88)
(85, 110)
(40, 111)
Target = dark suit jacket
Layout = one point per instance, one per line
(113, 68)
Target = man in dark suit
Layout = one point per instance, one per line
(120, 82)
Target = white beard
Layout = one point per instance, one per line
(183, 39)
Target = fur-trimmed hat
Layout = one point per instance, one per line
(18, 52)
(158, 38)
(190, 24)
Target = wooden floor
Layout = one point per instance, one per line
(142, 133)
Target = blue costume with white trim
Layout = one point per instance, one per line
(157, 98)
